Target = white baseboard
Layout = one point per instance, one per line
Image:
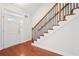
(1, 48)
(52, 50)
(15, 44)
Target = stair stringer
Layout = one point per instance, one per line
(47, 44)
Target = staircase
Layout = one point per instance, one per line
(56, 15)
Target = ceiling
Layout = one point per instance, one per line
(30, 8)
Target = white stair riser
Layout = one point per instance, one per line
(61, 23)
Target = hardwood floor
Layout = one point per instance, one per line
(26, 49)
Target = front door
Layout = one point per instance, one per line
(11, 30)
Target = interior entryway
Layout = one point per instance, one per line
(26, 49)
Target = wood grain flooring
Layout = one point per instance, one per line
(26, 49)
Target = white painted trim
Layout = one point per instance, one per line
(23, 41)
(52, 50)
(16, 44)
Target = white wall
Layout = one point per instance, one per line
(26, 27)
(0, 31)
(41, 12)
(65, 40)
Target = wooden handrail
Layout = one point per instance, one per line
(60, 11)
(53, 17)
(44, 16)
